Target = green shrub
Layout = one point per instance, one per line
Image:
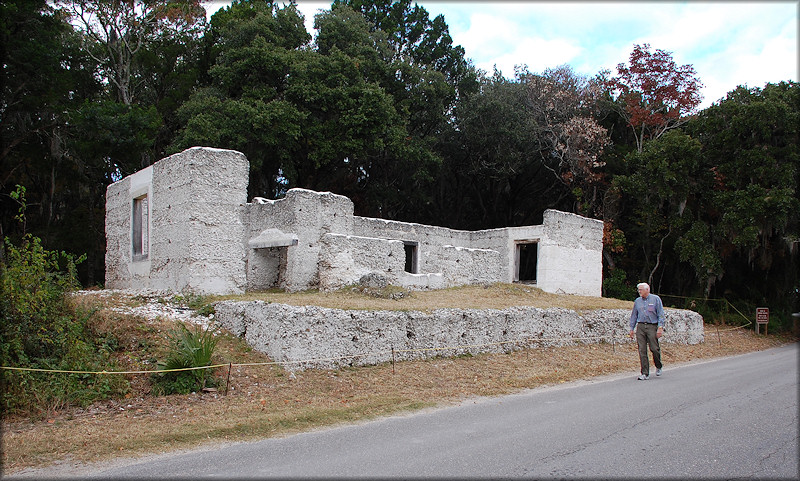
(617, 287)
(188, 349)
(39, 329)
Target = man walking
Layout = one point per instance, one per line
(647, 325)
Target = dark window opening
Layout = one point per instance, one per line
(411, 257)
(527, 256)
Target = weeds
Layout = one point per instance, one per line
(188, 349)
(39, 329)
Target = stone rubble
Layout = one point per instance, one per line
(158, 305)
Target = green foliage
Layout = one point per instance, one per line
(41, 330)
(617, 286)
(114, 135)
(661, 192)
(36, 319)
(188, 349)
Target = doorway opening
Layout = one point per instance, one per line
(525, 262)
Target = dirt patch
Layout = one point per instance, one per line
(268, 401)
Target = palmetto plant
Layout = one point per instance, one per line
(189, 349)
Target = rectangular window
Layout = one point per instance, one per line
(140, 234)
(411, 257)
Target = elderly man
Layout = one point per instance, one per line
(647, 325)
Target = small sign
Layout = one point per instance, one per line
(762, 315)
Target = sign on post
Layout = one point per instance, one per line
(762, 317)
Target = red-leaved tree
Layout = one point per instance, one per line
(654, 93)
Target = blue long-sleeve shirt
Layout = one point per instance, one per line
(649, 310)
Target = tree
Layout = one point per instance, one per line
(118, 31)
(661, 198)
(749, 215)
(388, 160)
(653, 93)
(417, 40)
(494, 173)
(564, 108)
(44, 76)
(254, 48)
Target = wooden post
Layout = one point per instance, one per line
(718, 336)
(392, 359)
(228, 381)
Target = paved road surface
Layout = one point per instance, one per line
(730, 418)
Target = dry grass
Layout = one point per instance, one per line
(494, 296)
(266, 401)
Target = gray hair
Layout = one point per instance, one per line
(643, 284)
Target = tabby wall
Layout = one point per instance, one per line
(191, 234)
(183, 224)
(318, 337)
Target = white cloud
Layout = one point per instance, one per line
(728, 43)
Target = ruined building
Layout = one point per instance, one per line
(184, 224)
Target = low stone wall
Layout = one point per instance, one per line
(330, 338)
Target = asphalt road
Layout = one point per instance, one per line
(730, 418)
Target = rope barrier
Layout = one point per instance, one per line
(529, 340)
(65, 371)
(392, 350)
(749, 321)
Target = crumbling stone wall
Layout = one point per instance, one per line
(323, 335)
(203, 236)
(429, 239)
(464, 265)
(569, 254)
(570, 251)
(309, 215)
(195, 229)
(344, 259)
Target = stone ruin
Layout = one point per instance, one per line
(184, 225)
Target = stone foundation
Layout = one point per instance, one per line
(330, 338)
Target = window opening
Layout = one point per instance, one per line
(140, 236)
(527, 256)
(411, 256)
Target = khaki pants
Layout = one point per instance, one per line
(646, 336)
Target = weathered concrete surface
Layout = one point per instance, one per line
(344, 259)
(569, 254)
(326, 338)
(308, 215)
(202, 236)
(195, 229)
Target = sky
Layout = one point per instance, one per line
(728, 43)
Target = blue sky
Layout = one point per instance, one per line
(728, 43)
